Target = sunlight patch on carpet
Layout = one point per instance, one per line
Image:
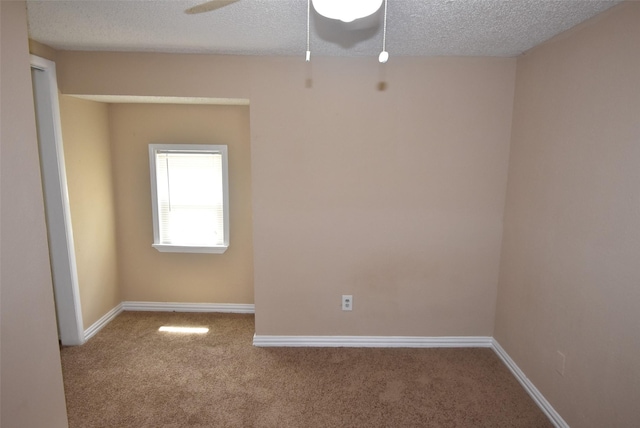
(186, 330)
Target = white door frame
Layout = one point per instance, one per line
(56, 199)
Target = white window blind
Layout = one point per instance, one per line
(190, 187)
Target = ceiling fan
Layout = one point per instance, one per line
(208, 6)
(344, 10)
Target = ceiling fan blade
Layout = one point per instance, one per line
(208, 6)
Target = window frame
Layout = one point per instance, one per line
(194, 148)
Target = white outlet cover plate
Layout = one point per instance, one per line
(347, 302)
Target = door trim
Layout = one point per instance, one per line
(56, 199)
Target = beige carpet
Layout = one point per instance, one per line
(132, 375)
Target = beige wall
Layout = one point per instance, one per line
(42, 50)
(570, 275)
(145, 273)
(31, 378)
(394, 196)
(87, 151)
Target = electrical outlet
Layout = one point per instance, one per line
(347, 302)
(560, 360)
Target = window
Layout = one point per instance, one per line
(190, 197)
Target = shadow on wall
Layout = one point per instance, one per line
(381, 85)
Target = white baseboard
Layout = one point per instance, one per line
(373, 341)
(536, 395)
(237, 308)
(417, 342)
(342, 341)
(102, 322)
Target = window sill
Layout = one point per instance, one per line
(164, 248)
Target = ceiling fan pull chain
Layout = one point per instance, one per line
(308, 19)
(384, 55)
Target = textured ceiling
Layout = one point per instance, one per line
(278, 27)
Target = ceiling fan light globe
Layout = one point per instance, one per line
(346, 10)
